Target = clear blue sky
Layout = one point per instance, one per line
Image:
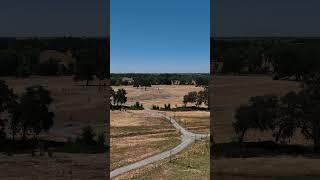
(160, 36)
(53, 18)
(266, 17)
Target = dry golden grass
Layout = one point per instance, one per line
(74, 107)
(230, 92)
(158, 94)
(194, 121)
(267, 166)
(191, 163)
(136, 135)
(60, 166)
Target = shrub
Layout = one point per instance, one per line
(154, 107)
(87, 135)
(101, 139)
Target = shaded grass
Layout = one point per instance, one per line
(262, 149)
(27, 146)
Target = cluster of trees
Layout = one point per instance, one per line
(288, 57)
(197, 98)
(144, 80)
(28, 113)
(89, 137)
(166, 107)
(284, 116)
(118, 97)
(21, 57)
(137, 106)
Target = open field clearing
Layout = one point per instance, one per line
(191, 163)
(158, 94)
(74, 107)
(136, 135)
(230, 92)
(60, 166)
(194, 121)
(281, 167)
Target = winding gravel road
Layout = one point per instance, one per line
(187, 139)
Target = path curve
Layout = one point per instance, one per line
(187, 138)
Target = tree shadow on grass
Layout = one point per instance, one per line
(261, 149)
(11, 147)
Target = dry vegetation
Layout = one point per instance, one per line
(75, 107)
(159, 94)
(194, 121)
(231, 91)
(61, 166)
(191, 163)
(136, 135)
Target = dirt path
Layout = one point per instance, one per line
(187, 139)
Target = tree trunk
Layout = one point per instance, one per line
(24, 133)
(241, 137)
(316, 144)
(13, 135)
(278, 135)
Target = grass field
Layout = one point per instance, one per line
(231, 91)
(191, 163)
(75, 107)
(158, 94)
(136, 135)
(194, 121)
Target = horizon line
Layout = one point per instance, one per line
(160, 73)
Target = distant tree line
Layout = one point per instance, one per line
(194, 97)
(147, 80)
(20, 57)
(288, 58)
(284, 116)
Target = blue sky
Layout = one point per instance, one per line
(53, 18)
(266, 18)
(157, 36)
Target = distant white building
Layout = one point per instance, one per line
(65, 60)
(175, 82)
(129, 80)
